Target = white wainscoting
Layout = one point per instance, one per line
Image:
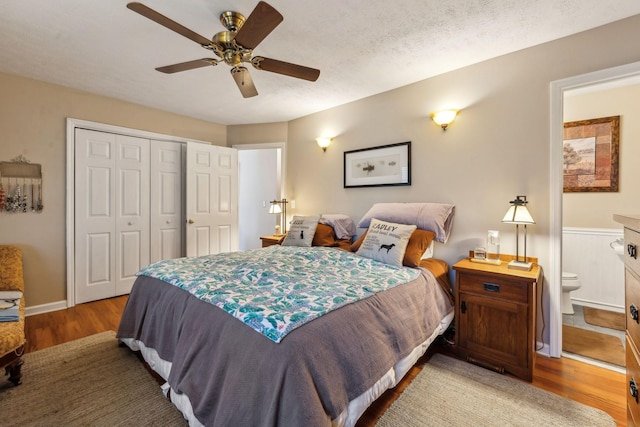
(587, 252)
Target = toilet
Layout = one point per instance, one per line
(570, 283)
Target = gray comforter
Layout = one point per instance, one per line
(235, 376)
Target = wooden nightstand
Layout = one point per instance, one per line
(496, 316)
(272, 240)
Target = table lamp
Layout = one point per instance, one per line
(519, 214)
(280, 207)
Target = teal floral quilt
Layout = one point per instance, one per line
(279, 288)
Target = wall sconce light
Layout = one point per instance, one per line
(519, 214)
(324, 142)
(444, 118)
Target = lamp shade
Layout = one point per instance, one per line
(275, 208)
(518, 212)
(324, 142)
(444, 118)
(518, 215)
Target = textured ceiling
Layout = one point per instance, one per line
(361, 47)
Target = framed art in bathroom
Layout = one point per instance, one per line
(378, 166)
(590, 155)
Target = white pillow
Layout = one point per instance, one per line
(429, 252)
(301, 231)
(386, 242)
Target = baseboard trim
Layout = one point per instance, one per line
(45, 308)
(543, 349)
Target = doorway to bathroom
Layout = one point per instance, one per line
(593, 306)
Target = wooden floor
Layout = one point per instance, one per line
(593, 386)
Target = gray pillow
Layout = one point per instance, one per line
(436, 217)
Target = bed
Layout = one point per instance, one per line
(227, 360)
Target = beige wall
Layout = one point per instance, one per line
(257, 134)
(498, 147)
(33, 124)
(595, 210)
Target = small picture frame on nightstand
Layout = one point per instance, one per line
(480, 254)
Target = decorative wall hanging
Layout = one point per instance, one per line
(591, 155)
(378, 166)
(20, 186)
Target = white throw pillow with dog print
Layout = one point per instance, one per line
(386, 242)
(301, 231)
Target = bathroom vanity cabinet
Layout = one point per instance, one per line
(631, 225)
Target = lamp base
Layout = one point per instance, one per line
(520, 265)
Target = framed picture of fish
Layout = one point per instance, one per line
(380, 166)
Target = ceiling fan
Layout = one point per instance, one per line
(234, 46)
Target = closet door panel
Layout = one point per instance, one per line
(167, 213)
(99, 258)
(94, 215)
(132, 210)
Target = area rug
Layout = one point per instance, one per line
(450, 392)
(595, 345)
(605, 318)
(87, 382)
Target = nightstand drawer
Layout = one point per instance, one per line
(493, 287)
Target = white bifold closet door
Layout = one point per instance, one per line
(132, 198)
(111, 213)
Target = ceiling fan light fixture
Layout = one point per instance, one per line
(234, 46)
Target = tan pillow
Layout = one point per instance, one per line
(325, 236)
(386, 242)
(418, 244)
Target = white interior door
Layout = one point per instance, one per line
(167, 223)
(212, 199)
(111, 213)
(259, 176)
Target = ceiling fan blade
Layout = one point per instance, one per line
(168, 23)
(263, 19)
(189, 65)
(285, 68)
(244, 81)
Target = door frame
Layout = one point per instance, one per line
(72, 124)
(283, 157)
(281, 173)
(558, 88)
